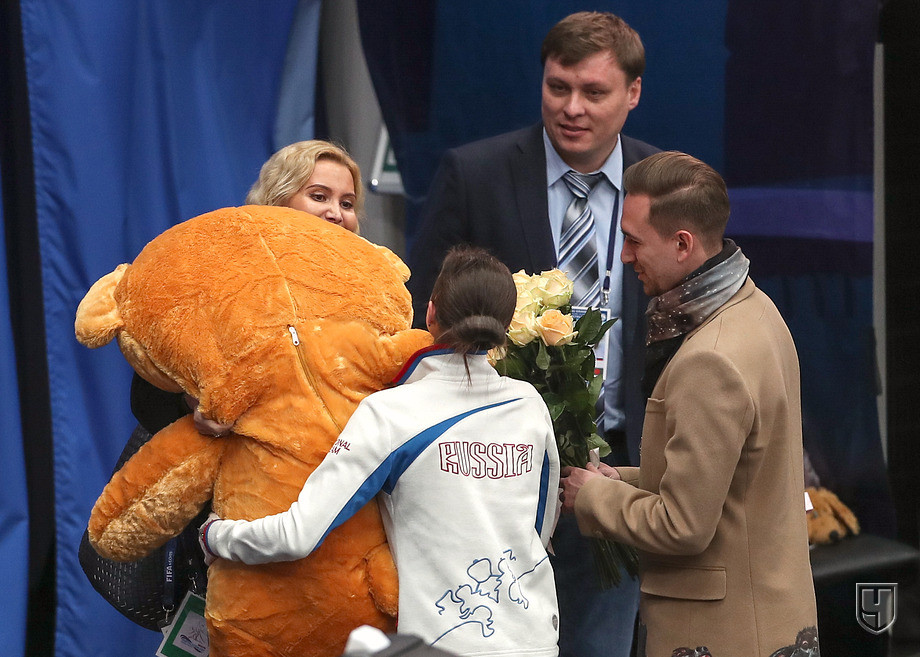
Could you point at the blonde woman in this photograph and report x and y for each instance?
(313, 176)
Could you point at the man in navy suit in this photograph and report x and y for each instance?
(507, 194)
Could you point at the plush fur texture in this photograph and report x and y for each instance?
(279, 323)
(830, 520)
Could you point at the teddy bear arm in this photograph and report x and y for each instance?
(370, 361)
(395, 350)
(156, 493)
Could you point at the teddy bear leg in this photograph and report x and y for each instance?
(301, 608)
(382, 579)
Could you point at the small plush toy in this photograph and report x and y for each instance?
(279, 323)
(830, 519)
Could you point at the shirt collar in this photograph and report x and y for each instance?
(556, 168)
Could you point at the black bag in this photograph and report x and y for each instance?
(148, 590)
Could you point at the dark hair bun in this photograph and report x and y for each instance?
(479, 331)
(474, 299)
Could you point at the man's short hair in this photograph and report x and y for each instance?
(586, 33)
(685, 194)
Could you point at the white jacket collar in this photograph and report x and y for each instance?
(443, 362)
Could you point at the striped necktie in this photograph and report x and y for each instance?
(577, 250)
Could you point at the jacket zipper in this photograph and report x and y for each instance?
(308, 374)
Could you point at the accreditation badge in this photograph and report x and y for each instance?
(187, 635)
(600, 351)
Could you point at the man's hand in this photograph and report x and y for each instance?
(608, 471)
(574, 478)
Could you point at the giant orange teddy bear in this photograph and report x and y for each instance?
(278, 323)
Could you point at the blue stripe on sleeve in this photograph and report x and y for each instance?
(544, 494)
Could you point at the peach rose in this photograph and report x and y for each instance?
(495, 354)
(555, 328)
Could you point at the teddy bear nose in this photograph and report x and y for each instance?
(834, 535)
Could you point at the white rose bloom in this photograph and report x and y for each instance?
(526, 303)
(553, 289)
(521, 280)
(522, 329)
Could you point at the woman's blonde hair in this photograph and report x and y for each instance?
(288, 170)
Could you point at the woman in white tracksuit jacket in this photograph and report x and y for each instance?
(466, 464)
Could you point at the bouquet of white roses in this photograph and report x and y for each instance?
(555, 354)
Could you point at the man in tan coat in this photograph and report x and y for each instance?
(716, 507)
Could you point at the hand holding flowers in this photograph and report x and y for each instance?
(555, 354)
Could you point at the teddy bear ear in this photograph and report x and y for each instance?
(843, 513)
(98, 318)
(395, 260)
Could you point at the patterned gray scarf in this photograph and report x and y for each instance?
(679, 311)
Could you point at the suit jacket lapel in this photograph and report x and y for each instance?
(529, 178)
(631, 153)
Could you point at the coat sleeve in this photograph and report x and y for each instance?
(348, 478)
(629, 474)
(701, 424)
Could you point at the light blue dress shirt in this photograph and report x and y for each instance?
(602, 201)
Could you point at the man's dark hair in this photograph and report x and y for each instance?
(685, 193)
(586, 33)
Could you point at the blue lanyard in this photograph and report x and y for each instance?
(611, 247)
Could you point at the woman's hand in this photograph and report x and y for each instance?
(205, 425)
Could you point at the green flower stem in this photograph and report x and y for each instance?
(564, 376)
(609, 557)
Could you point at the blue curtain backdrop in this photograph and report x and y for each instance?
(14, 521)
(143, 114)
(776, 95)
